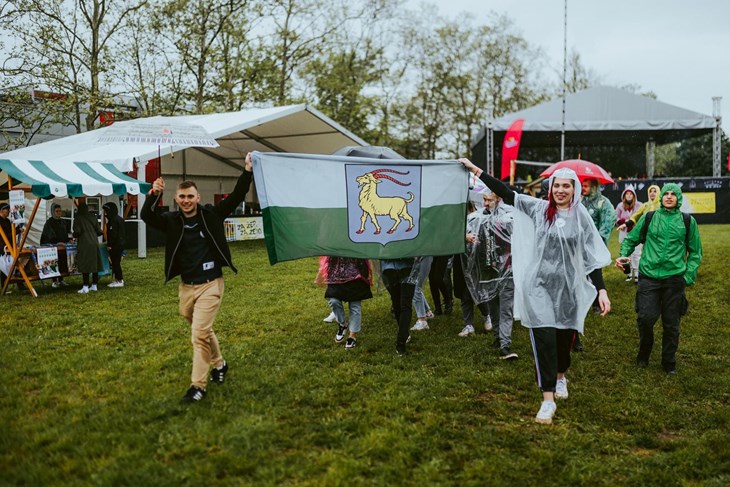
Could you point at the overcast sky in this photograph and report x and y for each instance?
(679, 49)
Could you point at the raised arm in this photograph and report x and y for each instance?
(497, 186)
(226, 206)
(149, 212)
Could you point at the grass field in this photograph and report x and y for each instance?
(91, 386)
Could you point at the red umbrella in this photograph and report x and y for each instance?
(584, 170)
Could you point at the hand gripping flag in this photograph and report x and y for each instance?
(359, 207)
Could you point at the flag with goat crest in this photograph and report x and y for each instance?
(341, 206)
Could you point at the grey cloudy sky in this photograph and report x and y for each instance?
(679, 49)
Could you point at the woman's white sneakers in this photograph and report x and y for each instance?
(546, 412)
(561, 389)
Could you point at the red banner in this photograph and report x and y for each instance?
(510, 147)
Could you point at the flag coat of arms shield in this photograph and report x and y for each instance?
(383, 202)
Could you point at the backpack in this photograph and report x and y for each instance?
(687, 220)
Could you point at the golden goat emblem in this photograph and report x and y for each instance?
(373, 205)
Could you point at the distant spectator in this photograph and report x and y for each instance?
(115, 241)
(625, 209)
(55, 231)
(88, 258)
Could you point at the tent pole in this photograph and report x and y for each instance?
(141, 227)
(565, 68)
(716, 137)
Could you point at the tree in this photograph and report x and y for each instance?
(694, 157)
(66, 46)
(194, 30)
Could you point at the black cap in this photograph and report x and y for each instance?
(4, 206)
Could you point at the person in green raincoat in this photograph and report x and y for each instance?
(669, 263)
(599, 207)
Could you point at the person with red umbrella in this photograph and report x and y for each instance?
(555, 245)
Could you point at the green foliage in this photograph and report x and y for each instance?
(694, 157)
(91, 386)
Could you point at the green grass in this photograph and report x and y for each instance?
(91, 386)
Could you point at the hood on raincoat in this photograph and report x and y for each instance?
(630, 190)
(567, 173)
(110, 208)
(658, 190)
(674, 187)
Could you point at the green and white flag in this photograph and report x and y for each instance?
(359, 207)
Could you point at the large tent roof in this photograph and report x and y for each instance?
(604, 116)
(78, 164)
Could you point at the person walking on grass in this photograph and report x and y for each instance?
(115, 241)
(423, 309)
(488, 268)
(88, 258)
(625, 209)
(439, 282)
(347, 279)
(196, 249)
(651, 204)
(555, 245)
(461, 290)
(669, 262)
(400, 277)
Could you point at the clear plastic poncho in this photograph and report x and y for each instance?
(550, 263)
(487, 262)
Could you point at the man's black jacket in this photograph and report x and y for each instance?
(171, 223)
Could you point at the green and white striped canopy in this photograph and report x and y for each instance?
(72, 179)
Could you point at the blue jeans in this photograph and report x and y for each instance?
(419, 299)
(355, 313)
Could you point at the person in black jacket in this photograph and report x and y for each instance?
(196, 250)
(7, 228)
(115, 240)
(55, 231)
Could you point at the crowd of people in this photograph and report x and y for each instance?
(536, 260)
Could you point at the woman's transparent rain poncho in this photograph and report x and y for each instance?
(551, 262)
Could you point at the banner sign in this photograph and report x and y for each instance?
(17, 206)
(706, 198)
(246, 228)
(47, 262)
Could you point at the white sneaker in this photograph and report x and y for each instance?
(93, 287)
(468, 330)
(84, 290)
(56, 284)
(116, 284)
(429, 314)
(546, 412)
(488, 323)
(420, 325)
(330, 318)
(561, 389)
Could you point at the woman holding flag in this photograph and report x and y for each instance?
(555, 245)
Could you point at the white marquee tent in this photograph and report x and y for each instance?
(79, 165)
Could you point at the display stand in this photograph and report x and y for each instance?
(16, 250)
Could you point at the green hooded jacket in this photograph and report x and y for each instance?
(664, 254)
(602, 212)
